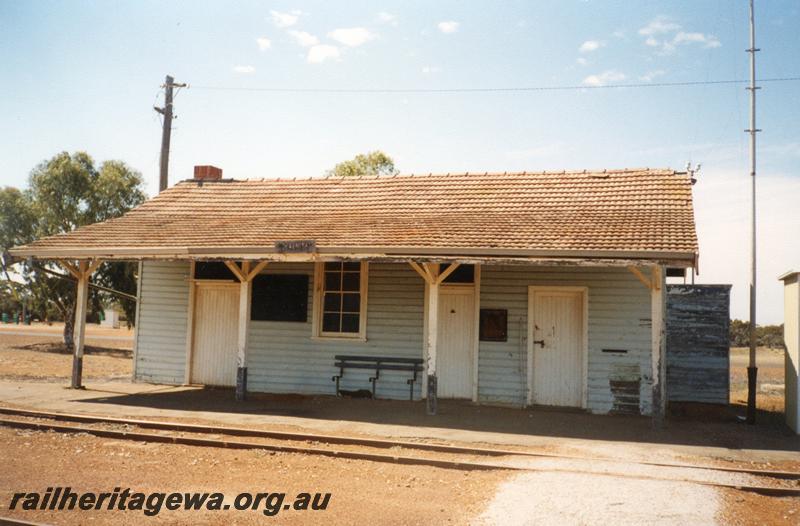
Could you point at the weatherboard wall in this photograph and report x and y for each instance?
(284, 357)
(698, 343)
(619, 321)
(163, 311)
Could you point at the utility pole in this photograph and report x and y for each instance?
(166, 130)
(752, 370)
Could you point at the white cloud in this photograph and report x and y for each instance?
(244, 69)
(604, 78)
(285, 19)
(618, 34)
(659, 26)
(582, 61)
(303, 38)
(687, 38)
(448, 26)
(667, 42)
(650, 75)
(351, 36)
(431, 69)
(387, 18)
(322, 52)
(263, 43)
(591, 45)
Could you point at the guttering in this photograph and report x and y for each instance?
(269, 253)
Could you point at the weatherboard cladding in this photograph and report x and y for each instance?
(163, 312)
(698, 343)
(619, 320)
(283, 357)
(624, 210)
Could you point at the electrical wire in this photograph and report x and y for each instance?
(490, 90)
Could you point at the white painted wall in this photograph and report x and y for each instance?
(161, 328)
(791, 335)
(284, 358)
(619, 318)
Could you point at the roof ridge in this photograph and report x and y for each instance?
(328, 177)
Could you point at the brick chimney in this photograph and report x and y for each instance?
(207, 173)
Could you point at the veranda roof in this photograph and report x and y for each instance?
(629, 214)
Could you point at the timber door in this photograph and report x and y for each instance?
(215, 342)
(557, 346)
(455, 340)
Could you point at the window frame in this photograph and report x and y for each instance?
(318, 304)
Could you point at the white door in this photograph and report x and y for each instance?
(216, 319)
(455, 339)
(557, 343)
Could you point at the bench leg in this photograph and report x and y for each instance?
(336, 379)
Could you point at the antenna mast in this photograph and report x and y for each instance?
(752, 370)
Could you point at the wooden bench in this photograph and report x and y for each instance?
(378, 364)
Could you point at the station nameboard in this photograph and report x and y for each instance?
(296, 246)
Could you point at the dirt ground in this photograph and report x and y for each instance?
(770, 378)
(362, 492)
(43, 358)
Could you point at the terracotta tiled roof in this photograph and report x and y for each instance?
(641, 210)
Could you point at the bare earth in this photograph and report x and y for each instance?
(362, 492)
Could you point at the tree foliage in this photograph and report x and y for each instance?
(64, 193)
(371, 163)
(766, 335)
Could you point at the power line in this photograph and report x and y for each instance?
(491, 90)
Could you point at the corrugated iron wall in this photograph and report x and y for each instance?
(698, 362)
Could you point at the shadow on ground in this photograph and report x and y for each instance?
(60, 348)
(723, 430)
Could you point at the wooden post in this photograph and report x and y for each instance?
(245, 276)
(658, 307)
(80, 325)
(432, 336)
(245, 289)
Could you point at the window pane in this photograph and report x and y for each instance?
(352, 265)
(212, 270)
(333, 281)
(330, 322)
(350, 322)
(351, 281)
(333, 302)
(352, 303)
(462, 273)
(333, 266)
(279, 297)
(493, 325)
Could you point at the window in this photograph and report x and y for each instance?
(493, 325)
(341, 299)
(279, 297)
(213, 270)
(462, 273)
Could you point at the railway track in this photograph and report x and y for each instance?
(765, 482)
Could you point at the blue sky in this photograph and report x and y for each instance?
(85, 75)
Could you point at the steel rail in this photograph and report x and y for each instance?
(374, 457)
(371, 442)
